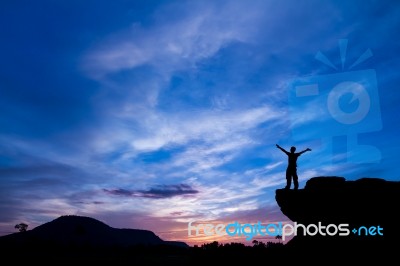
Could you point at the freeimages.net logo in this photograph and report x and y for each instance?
(344, 103)
(249, 231)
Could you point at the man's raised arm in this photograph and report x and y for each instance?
(282, 149)
(308, 149)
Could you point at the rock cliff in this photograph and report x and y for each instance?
(365, 205)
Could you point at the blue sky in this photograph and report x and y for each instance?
(150, 114)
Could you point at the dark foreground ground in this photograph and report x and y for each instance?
(144, 255)
(234, 254)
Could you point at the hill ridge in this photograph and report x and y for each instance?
(86, 231)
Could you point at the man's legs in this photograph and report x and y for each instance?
(295, 180)
(288, 178)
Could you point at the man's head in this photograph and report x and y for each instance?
(292, 149)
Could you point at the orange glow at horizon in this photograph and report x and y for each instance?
(181, 234)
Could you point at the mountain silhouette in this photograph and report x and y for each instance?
(366, 202)
(78, 231)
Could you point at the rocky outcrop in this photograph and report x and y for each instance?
(365, 205)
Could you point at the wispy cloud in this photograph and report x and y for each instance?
(197, 32)
(158, 192)
(208, 126)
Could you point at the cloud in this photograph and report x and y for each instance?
(162, 129)
(192, 32)
(119, 192)
(50, 169)
(176, 213)
(158, 192)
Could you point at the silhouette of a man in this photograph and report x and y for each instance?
(291, 170)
